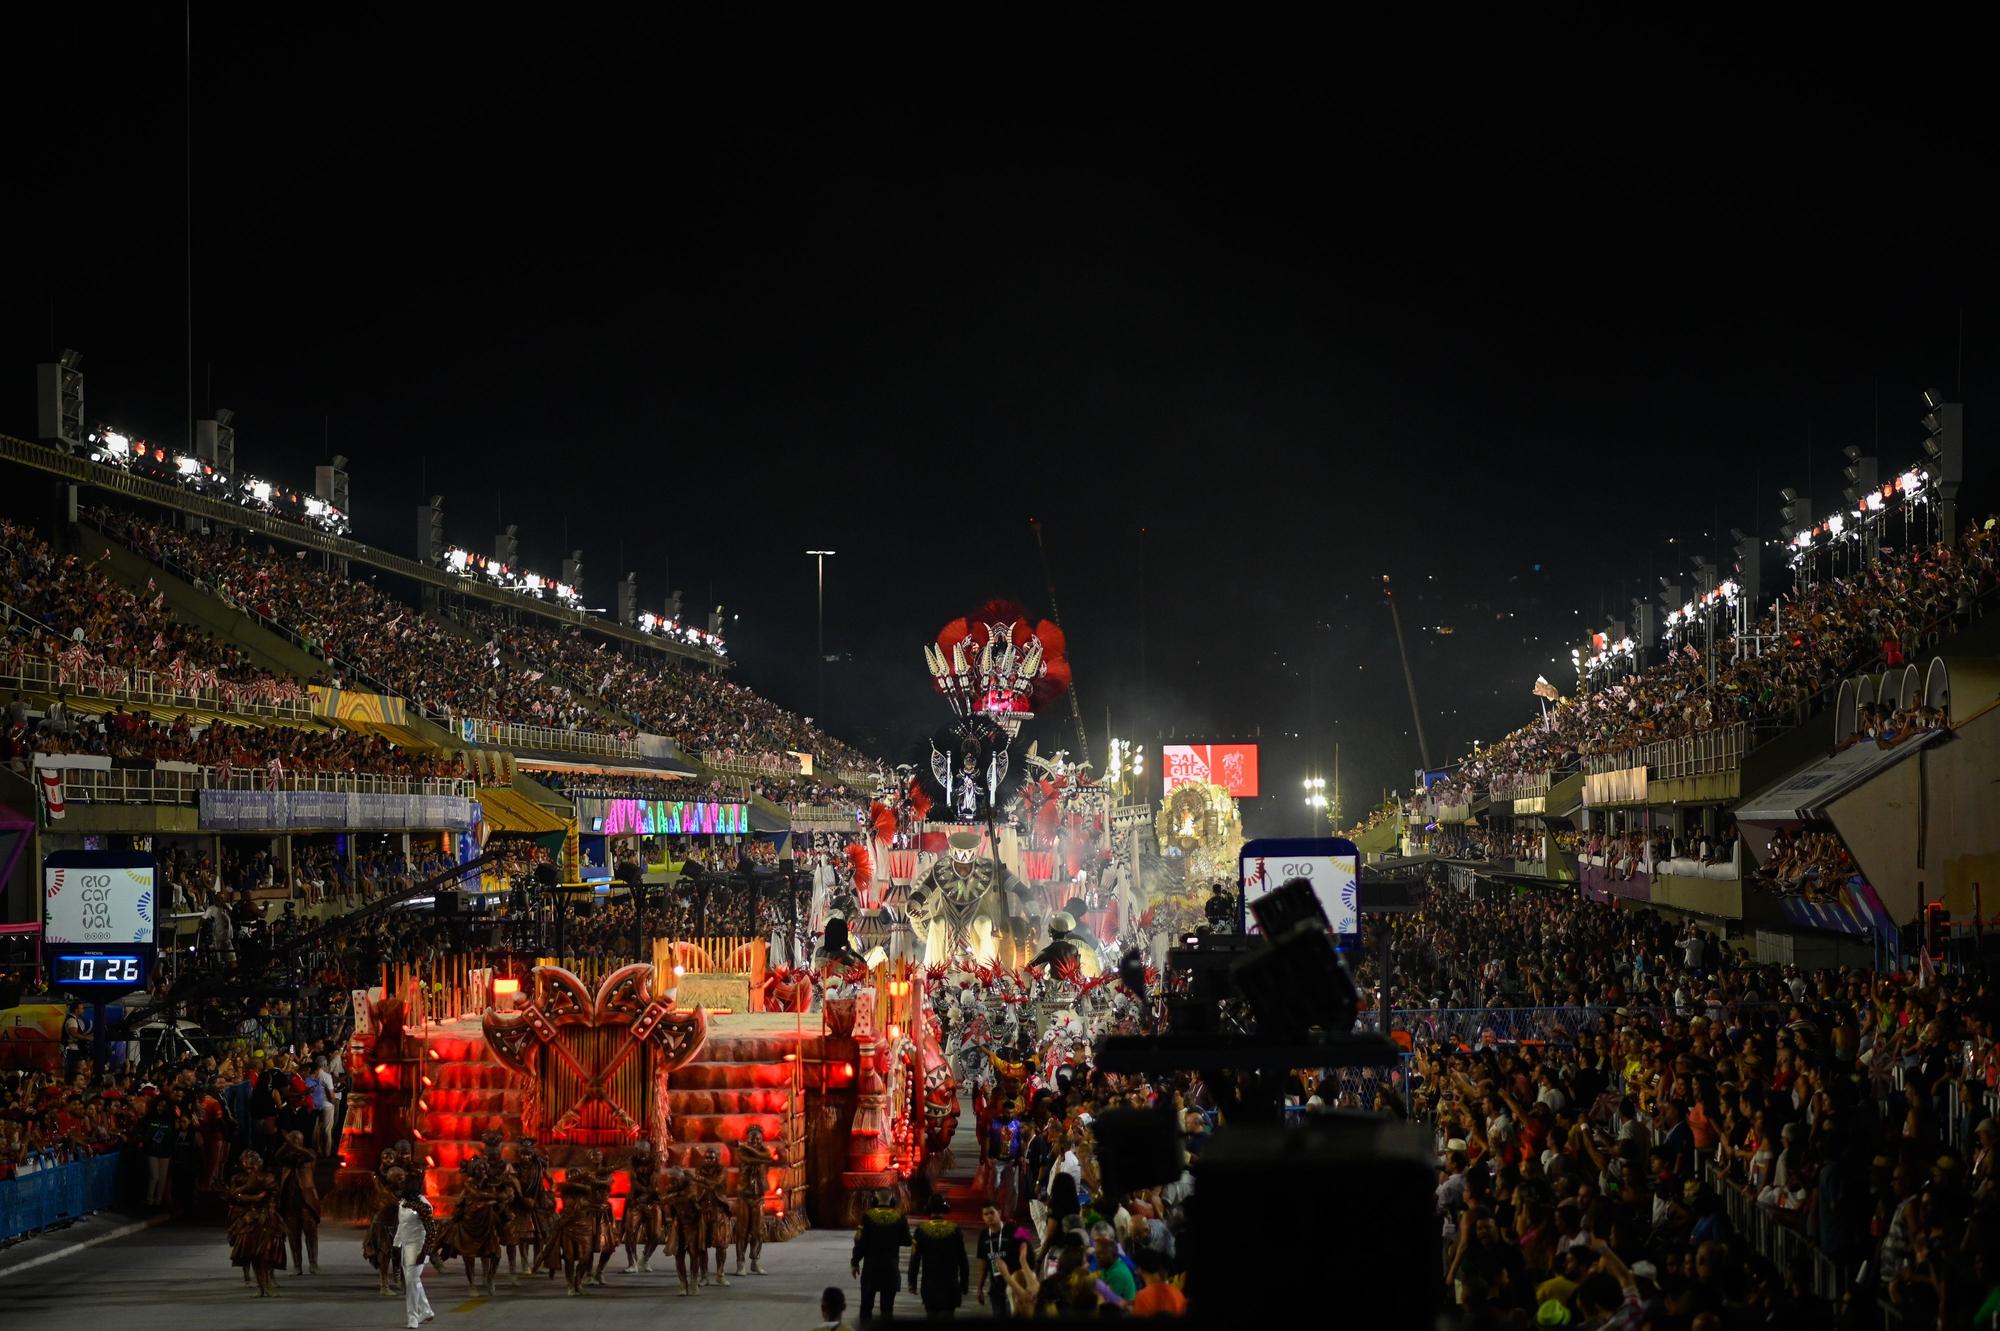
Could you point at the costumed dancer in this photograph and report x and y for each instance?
(378, 1247)
(417, 1167)
(1005, 1145)
(836, 951)
(604, 1238)
(754, 1162)
(298, 1200)
(575, 1229)
(645, 1224)
(477, 1222)
(533, 1208)
(413, 1242)
(879, 1241)
(256, 1234)
(939, 1273)
(684, 1216)
(717, 1215)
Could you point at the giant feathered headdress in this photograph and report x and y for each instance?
(993, 661)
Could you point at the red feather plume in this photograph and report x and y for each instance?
(863, 865)
(920, 800)
(1054, 682)
(1048, 818)
(1055, 644)
(883, 819)
(1001, 611)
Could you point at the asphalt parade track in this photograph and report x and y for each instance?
(178, 1278)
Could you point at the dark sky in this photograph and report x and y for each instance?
(1496, 312)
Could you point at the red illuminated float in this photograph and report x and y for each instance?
(596, 1065)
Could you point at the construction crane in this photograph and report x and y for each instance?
(1048, 581)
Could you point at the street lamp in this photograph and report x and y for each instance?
(819, 660)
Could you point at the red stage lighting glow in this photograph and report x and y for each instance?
(506, 987)
(381, 1069)
(427, 1081)
(791, 1058)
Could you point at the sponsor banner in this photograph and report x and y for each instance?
(282, 810)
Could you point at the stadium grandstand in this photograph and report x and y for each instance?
(202, 662)
(1745, 762)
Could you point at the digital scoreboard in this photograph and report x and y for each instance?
(97, 921)
(100, 970)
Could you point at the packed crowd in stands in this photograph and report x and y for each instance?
(606, 786)
(1815, 865)
(1886, 727)
(1869, 619)
(1668, 1082)
(354, 626)
(567, 680)
(100, 631)
(278, 751)
(707, 714)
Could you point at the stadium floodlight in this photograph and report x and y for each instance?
(1932, 399)
(1931, 449)
(1788, 494)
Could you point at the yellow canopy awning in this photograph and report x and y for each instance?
(507, 811)
(401, 736)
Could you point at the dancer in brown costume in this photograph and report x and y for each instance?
(298, 1200)
(378, 1247)
(645, 1224)
(754, 1162)
(575, 1228)
(604, 1234)
(717, 1215)
(531, 1210)
(684, 1216)
(256, 1234)
(478, 1218)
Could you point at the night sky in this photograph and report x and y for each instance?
(1246, 319)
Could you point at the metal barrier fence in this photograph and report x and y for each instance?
(144, 687)
(1710, 752)
(51, 1194)
(1778, 1236)
(762, 764)
(181, 785)
(1526, 785)
(512, 735)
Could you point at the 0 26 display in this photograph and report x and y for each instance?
(127, 970)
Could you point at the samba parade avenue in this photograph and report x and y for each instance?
(776, 669)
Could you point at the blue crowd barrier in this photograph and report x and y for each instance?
(54, 1193)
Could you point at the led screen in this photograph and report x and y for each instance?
(674, 818)
(1231, 766)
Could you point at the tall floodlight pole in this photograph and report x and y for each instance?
(819, 657)
(1409, 680)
